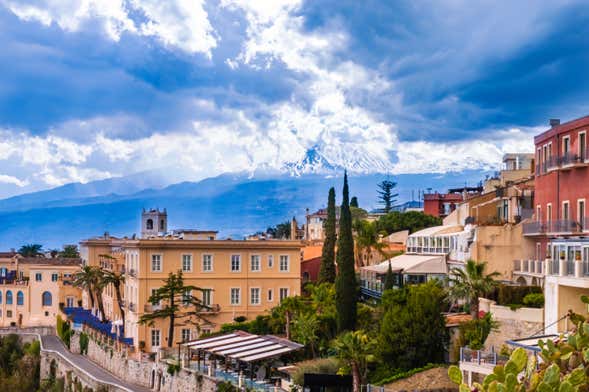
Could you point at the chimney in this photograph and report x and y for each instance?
(554, 122)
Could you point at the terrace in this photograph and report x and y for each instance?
(555, 227)
(240, 358)
(85, 318)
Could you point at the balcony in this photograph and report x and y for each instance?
(554, 227)
(566, 161)
(528, 267)
(214, 308)
(132, 272)
(132, 307)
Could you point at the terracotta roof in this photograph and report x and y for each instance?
(50, 261)
(454, 319)
(6, 255)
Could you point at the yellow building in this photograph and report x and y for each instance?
(243, 277)
(33, 288)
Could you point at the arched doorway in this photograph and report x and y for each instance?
(521, 281)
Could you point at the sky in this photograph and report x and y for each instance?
(93, 89)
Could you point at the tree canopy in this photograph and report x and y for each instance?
(411, 220)
(386, 195)
(327, 269)
(70, 252)
(31, 250)
(281, 230)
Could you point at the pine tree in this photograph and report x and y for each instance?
(389, 280)
(386, 196)
(178, 304)
(327, 271)
(345, 282)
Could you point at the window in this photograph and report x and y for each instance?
(581, 213)
(69, 302)
(235, 296)
(565, 210)
(156, 263)
(255, 262)
(283, 263)
(582, 146)
(162, 225)
(9, 313)
(538, 213)
(154, 302)
(255, 296)
(235, 263)
(205, 331)
(185, 334)
(38, 277)
(149, 224)
(186, 263)
(46, 298)
(207, 297)
(207, 263)
(155, 338)
(283, 293)
(54, 277)
(270, 261)
(270, 295)
(186, 297)
(20, 298)
(548, 212)
(566, 145)
(9, 297)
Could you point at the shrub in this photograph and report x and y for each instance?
(316, 366)
(474, 333)
(408, 373)
(514, 295)
(534, 300)
(84, 343)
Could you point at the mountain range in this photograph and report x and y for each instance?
(236, 204)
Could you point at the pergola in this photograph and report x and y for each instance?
(239, 347)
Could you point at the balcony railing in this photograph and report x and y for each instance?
(533, 267)
(214, 308)
(132, 307)
(561, 226)
(565, 161)
(481, 357)
(152, 307)
(132, 272)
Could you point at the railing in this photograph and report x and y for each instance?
(570, 267)
(568, 159)
(132, 307)
(481, 357)
(554, 267)
(561, 226)
(534, 267)
(132, 273)
(214, 308)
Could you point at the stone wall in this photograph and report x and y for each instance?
(34, 331)
(146, 373)
(514, 324)
(71, 375)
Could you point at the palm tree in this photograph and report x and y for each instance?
(322, 297)
(84, 279)
(30, 250)
(367, 241)
(99, 284)
(471, 283)
(305, 328)
(355, 350)
(116, 279)
(284, 313)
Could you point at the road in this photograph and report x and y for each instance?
(54, 343)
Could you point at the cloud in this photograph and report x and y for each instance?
(12, 180)
(182, 24)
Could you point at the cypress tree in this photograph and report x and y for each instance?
(389, 280)
(345, 282)
(327, 271)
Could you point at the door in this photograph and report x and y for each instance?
(582, 146)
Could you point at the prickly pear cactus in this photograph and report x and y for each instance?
(564, 366)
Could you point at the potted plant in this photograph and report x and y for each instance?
(578, 255)
(562, 255)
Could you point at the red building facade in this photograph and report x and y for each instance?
(561, 182)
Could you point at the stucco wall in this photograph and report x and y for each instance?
(514, 324)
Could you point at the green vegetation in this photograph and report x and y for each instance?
(20, 366)
(327, 270)
(178, 303)
(389, 280)
(31, 250)
(85, 279)
(402, 345)
(563, 367)
(534, 300)
(281, 230)
(406, 374)
(411, 220)
(386, 197)
(367, 241)
(116, 279)
(474, 333)
(345, 282)
(471, 283)
(64, 331)
(318, 366)
(354, 202)
(69, 252)
(84, 340)
(355, 350)
(514, 295)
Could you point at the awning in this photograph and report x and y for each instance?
(411, 264)
(244, 346)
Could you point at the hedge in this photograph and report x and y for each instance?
(514, 295)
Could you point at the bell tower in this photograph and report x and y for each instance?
(153, 222)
